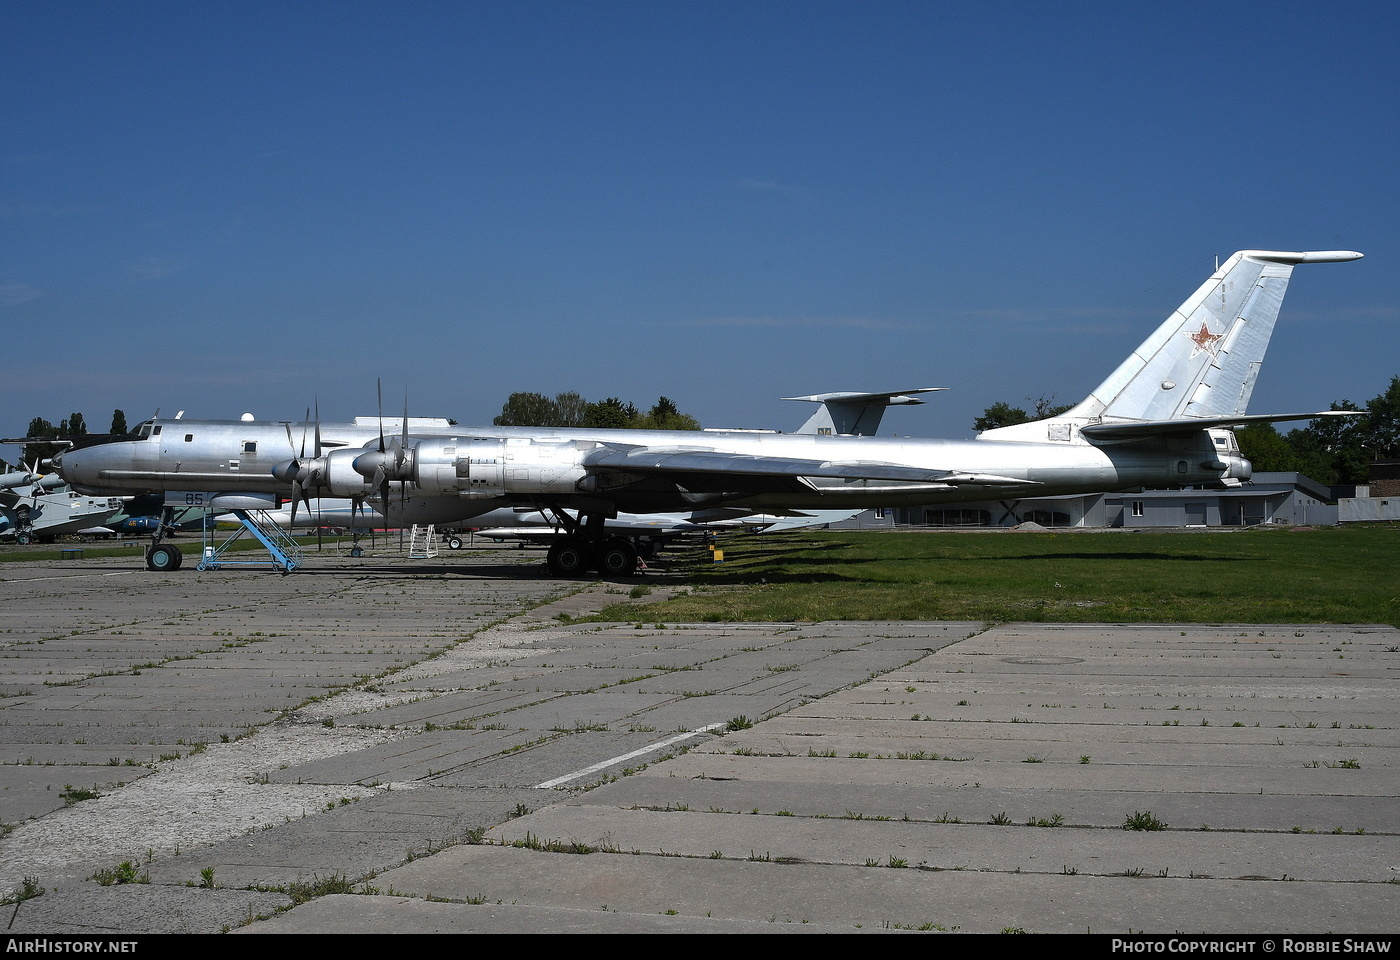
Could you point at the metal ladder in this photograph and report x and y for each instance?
(284, 553)
(422, 542)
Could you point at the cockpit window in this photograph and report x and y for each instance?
(145, 432)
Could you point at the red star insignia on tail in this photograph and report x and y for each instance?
(1205, 340)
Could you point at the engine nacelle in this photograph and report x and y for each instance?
(486, 468)
(340, 476)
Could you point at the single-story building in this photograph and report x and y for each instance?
(1289, 498)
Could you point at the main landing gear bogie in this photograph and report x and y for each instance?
(618, 558)
(574, 556)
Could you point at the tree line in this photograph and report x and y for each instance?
(72, 426)
(1337, 450)
(571, 410)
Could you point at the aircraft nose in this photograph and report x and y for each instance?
(69, 464)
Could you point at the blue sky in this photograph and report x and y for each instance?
(229, 207)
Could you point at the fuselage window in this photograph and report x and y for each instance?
(250, 446)
(189, 438)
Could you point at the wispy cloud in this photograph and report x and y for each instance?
(13, 293)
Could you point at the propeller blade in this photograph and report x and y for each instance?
(379, 390)
(296, 498)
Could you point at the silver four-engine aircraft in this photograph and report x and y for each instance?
(1161, 419)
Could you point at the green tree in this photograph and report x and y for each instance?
(1382, 426)
(611, 413)
(39, 428)
(1046, 407)
(118, 422)
(74, 426)
(1333, 449)
(569, 409)
(526, 410)
(1000, 414)
(1266, 449)
(664, 415)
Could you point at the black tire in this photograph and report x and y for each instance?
(164, 558)
(454, 543)
(617, 559)
(569, 557)
(357, 551)
(24, 539)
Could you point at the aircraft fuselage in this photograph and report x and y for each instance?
(459, 474)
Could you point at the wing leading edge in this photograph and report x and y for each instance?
(650, 461)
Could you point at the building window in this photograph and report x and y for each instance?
(1137, 508)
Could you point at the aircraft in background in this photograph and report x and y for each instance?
(647, 531)
(1160, 419)
(855, 414)
(41, 507)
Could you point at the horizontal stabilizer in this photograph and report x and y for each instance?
(1145, 429)
(892, 397)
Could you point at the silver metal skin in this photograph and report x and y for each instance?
(1159, 420)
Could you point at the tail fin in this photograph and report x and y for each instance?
(1202, 362)
(856, 414)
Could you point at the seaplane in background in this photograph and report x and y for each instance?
(40, 507)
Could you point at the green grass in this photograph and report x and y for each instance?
(1328, 575)
(190, 546)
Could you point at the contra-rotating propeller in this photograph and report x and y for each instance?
(302, 473)
(392, 461)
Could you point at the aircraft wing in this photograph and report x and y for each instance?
(652, 461)
(1145, 429)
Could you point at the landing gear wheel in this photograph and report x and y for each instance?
(568, 557)
(454, 542)
(24, 539)
(617, 559)
(357, 551)
(164, 557)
